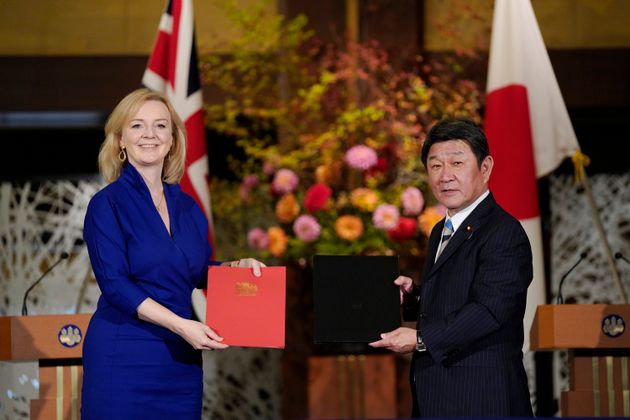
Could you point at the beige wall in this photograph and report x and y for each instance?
(584, 23)
(128, 27)
(563, 23)
(100, 27)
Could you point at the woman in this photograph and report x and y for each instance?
(148, 247)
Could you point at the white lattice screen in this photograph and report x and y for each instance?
(573, 232)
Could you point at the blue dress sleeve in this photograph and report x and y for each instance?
(203, 284)
(108, 255)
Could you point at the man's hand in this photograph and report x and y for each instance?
(255, 265)
(401, 340)
(405, 284)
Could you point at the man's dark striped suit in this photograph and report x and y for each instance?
(470, 316)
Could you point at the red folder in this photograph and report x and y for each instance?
(247, 311)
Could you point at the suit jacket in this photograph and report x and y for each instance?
(470, 316)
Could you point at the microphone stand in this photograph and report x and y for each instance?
(559, 298)
(620, 256)
(63, 256)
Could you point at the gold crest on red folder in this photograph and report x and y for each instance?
(246, 288)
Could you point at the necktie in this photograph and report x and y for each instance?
(447, 232)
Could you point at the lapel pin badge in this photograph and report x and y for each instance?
(469, 229)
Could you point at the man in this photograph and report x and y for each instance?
(467, 358)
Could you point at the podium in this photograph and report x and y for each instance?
(56, 342)
(598, 341)
(353, 386)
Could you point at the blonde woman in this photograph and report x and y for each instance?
(148, 245)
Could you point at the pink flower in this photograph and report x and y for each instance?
(251, 181)
(386, 216)
(412, 201)
(306, 228)
(257, 239)
(361, 157)
(243, 192)
(284, 181)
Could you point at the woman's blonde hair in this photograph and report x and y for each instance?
(110, 165)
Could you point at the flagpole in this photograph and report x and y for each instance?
(602, 236)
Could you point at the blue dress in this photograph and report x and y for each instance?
(134, 369)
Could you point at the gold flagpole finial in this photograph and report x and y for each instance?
(580, 161)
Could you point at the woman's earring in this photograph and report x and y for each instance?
(122, 156)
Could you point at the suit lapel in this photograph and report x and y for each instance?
(432, 247)
(464, 233)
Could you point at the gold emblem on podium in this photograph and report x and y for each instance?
(69, 335)
(613, 326)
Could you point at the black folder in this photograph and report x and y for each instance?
(354, 298)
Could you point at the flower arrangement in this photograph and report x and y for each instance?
(329, 138)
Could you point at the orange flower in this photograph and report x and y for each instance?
(430, 217)
(328, 174)
(287, 208)
(364, 199)
(322, 174)
(277, 241)
(349, 227)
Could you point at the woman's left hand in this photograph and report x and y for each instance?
(252, 263)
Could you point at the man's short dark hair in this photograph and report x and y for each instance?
(457, 129)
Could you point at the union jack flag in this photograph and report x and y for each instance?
(172, 70)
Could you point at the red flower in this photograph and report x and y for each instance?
(382, 165)
(406, 229)
(386, 159)
(317, 197)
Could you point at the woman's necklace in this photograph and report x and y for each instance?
(157, 206)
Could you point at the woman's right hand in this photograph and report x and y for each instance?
(406, 286)
(200, 336)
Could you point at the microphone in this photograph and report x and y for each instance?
(63, 256)
(559, 299)
(620, 256)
